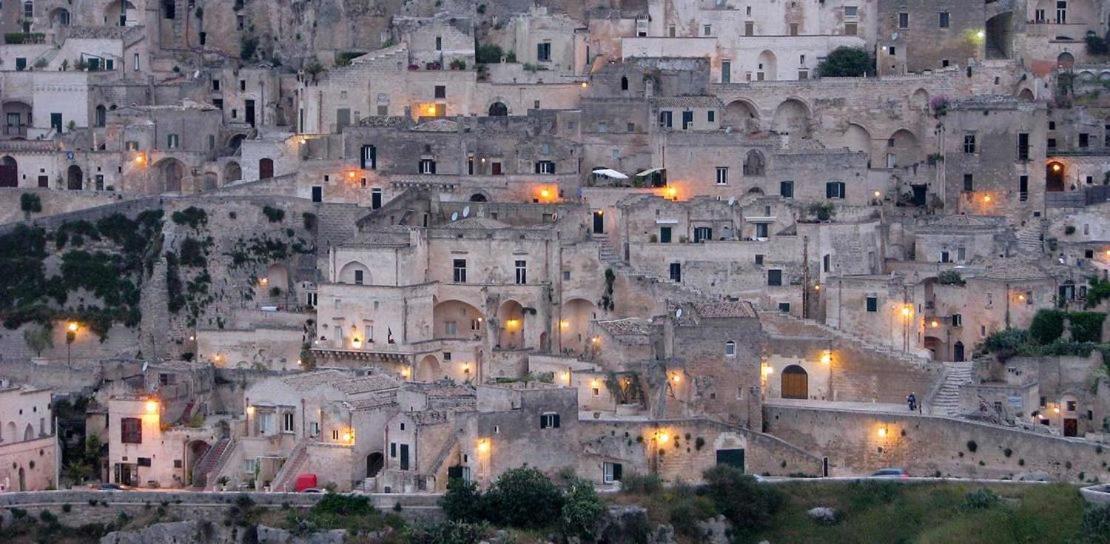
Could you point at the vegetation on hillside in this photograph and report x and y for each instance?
(1045, 336)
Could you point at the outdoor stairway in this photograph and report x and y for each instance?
(207, 462)
(946, 402)
(606, 253)
(861, 342)
(226, 449)
(286, 477)
(1030, 237)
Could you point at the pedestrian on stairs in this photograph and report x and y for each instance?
(911, 400)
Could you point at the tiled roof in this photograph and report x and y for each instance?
(739, 308)
(312, 380)
(365, 384)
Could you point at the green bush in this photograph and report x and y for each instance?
(1047, 326)
(847, 62)
(462, 501)
(641, 484)
(488, 53)
(273, 214)
(447, 532)
(192, 216)
(192, 253)
(950, 277)
(743, 501)
(1006, 343)
(980, 499)
(30, 203)
(581, 512)
(1096, 525)
(524, 497)
(1086, 326)
(687, 510)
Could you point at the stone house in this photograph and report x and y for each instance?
(30, 456)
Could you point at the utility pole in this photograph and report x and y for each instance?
(805, 277)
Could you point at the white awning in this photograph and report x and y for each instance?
(609, 173)
(649, 172)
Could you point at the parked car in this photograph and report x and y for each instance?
(312, 490)
(109, 487)
(890, 473)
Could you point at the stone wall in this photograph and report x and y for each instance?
(858, 442)
(53, 202)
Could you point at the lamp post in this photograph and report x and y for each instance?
(71, 335)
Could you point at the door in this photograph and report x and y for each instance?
(599, 222)
(664, 235)
(56, 121)
(958, 352)
(13, 123)
(732, 458)
(317, 194)
(375, 199)
(1071, 427)
(404, 456)
(676, 272)
(250, 112)
(9, 172)
(374, 463)
(795, 383)
(342, 118)
(919, 193)
(265, 168)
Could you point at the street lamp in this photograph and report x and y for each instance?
(71, 335)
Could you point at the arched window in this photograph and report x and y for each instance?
(624, 83)
(730, 349)
(101, 115)
(754, 164)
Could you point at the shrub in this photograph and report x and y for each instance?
(447, 532)
(1086, 326)
(488, 53)
(645, 484)
(847, 62)
(1096, 525)
(687, 510)
(1097, 45)
(737, 496)
(1006, 343)
(462, 501)
(248, 45)
(1047, 326)
(980, 499)
(950, 277)
(972, 446)
(581, 512)
(273, 214)
(30, 203)
(192, 216)
(524, 497)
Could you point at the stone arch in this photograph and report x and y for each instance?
(374, 463)
(1026, 95)
(349, 273)
(791, 117)
(170, 172)
(428, 369)
(903, 149)
(1055, 175)
(767, 66)
(75, 178)
(755, 164)
(479, 197)
(857, 138)
(511, 317)
(11, 432)
(1065, 60)
(101, 115)
(574, 325)
(9, 172)
(277, 276)
(194, 451)
(794, 383)
(119, 13)
(59, 17)
(999, 39)
(457, 319)
(211, 181)
(232, 172)
(235, 142)
(265, 168)
(28, 432)
(498, 109)
(741, 115)
(919, 100)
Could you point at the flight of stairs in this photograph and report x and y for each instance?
(1031, 236)
(285, 478)
(208, 462)
(946, 402)
(606, 252)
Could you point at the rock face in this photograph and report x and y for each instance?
(629, 524)
(715, 530)
(180, 532)
(823, 514)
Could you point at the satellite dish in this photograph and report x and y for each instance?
(454, 216)
(466, 211)
(678, 313)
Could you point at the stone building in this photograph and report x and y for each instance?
(30, 456)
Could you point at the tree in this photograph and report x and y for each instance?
(847, 62)
(30, 203)
(582, 510)
(746, 503)
(463, 501)
(524, 497)
(38, 338)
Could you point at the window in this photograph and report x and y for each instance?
(903, 20)
(20, 64)
(427, 166)
(774, 278)
(439, 43)
(28, 10)
(759, 260)
(969, 143)
(851, 29)
(784, 307)
(711, 116)
(440, 91)
(730, 349)
(287, 422)
(969, 182)
(707, 30)
(135, 62)
(957, 320)
(664, 235)
(1084, 140)
(1023, 147)
(665, 119)
(172, 141)
(624, 83)
(545, 167)
(521, 272)
(702, 234)
(451, 328)
(834, 189)
(851, 11)
(543, 52)
(786, 189)
(368, 159)
(392, 450)
(1070, 405)
(761, 230)
(358, 277)
(722, 175)
(131, 430)
(944, 20)
(749, 28)
(459, 266)
(687, 119)
(726, 76)
(317, 193)
(549, 420)
(872, 303)
(611, 472)
(1051, 143)
(675, 272)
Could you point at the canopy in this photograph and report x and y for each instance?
(609, 173)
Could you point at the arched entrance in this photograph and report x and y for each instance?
(170, 173)
(59, 17)
(741, 115)
(374, 464)
(498, 109)
(1054, 177)
(857, 138)
(265, 168)
(791, 117)
(574, 325)
(195, 450)
(28, 433)
(903, 149)
(795, 383)
(1026, 95)
(9, 172)
(456, 319)
(355, 273)
(428, 369)
(755, 164)
(22, 479)
(958, 352)
(767, 67)
(116, 13)
(511, 317)
(998, 36)
(74, 178)
(10, 432)
(232, 172)
(478, 197)
(1065, 61)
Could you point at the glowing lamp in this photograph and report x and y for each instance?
(1021, 297)
(1056, 167)
(566, 376)
(544, 193)
(264, 281)
(987, 199)
(1108, 252)
(351, 175)
(483, 445)
(934, 324)
(907, 310)
(1056, 410)
(356, 342)
(584, 84)
(431, 109)
(72, 326)
(882, 432)
(878, 194)
(671, 192)
(564, 324)
(139, 159)
(152, 407)
(405, 372)
(348, 437)
(676, 378)
(596, 340)
(768, 370)
(826, 357)
(664, 438)
(250, 410)
(981, 34)
(817, 287)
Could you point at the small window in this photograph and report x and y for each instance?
(786, 189)
(944, 20)
(441, 91)
(543, 52)
(903, 20)
(521, 272)
(835, 189)
(969, 143)
(358, 277)
(759, 260)
(957, 320)
(287, 422)
(722, 175)
(969, 182)
(459, 269)
(784, 307)
(872, 304)
(427, 166)
(131, 430)
(730, 349)
(549, 420)
(707, 30)
(172, 141)
(612, 472)
(774, 278)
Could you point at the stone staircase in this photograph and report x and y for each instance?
(207, 462)
(286, 477)
(607, 253)
(1031, 236)
(221, 457)
(885, 351)
(946, 400)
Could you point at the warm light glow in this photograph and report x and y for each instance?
(1021, 297)
(817, 287)
(250, 410)
(299, 362)
(512, 324)
(72, 327)
(671, 192)
(1056, 410)
(405, 372)
(1108, 252)
(878, 194)
(264, 281)
(564, 324)
(584, 84)
(348, 437)
(483, 445)
(544, 193)
(356, 342)
(987, 199)
(595, 383)
(351, 175)
(907, 310)
(664, 438)
(566, 376)
(596, 340)
(981, 34)
(303, 141)
(139, 159)
(768, 370)
(934, 324)
(1056, 167)
(431, 109)
(882, 432)
(152, 407)
(826, 357)
(676, 378)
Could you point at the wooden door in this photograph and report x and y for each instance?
(795, 383)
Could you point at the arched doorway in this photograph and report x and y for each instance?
(1065, 61)
(28, 433)
(10, 432)
(235, 142)
(265, 168)
(195, 450)
(767, 67)
(232, 172)
(755, 164)
(903, 149)
(1054, 177)
(741, 115)
(795, 383)
(498, 109)
(791, 117)
(59, 17)
(374, 464)
(1026, 95)
(920, 100)
(9, 172)
(857, 138)
(456, 319)
(511, 317)
(355, 273)
(170, 173)
(998, 36)
(958, 352)
(116, 13)
(574, 325)
(478, 197)
(74, 178)
(428, 369)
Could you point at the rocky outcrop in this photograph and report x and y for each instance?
(215, 533)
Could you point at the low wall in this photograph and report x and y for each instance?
(860, 442)
(53, 202)
(89, 506)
